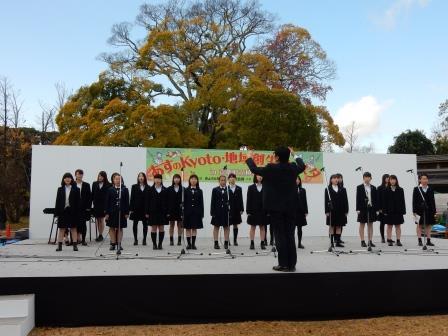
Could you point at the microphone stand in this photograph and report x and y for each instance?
(331, 249)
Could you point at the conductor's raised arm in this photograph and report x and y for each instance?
(253, 167)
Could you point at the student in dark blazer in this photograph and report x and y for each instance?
(86, 206)
(157, 211)
(219, 211)
(394, 208)
(381, 190)
(68, 209)
(236, 206)
(279, 193)
(174, 195)
(256, 215)
(117, 211)
(194, 211)
(99, 192)
(301, 211)
(367, 208)
(424, 206)
(137, 213)
(336, 209)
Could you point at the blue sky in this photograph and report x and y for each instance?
(391, 55)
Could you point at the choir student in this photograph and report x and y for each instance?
(336, 209)
(137, 213)
(256, 215)
(301, 211)
(366, 208)
(68, 209)
(157, 211)
(236, 206)
(219, 211)
(341, 184)
(424, 207)
(117, 210)
(394, 208)
(381, 190)
(99, 193)
(174, 195)
(194, 211)
(86, 205)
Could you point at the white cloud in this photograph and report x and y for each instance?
(388, 19)
(365, 112)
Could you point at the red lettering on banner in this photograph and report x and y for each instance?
(231, 157)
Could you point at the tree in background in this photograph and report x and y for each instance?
(267, 118)
(412, 142)
(204, 55)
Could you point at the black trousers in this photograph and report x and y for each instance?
(284, 232)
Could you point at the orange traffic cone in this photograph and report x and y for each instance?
(8, 231)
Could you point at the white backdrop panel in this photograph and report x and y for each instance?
(49, 163)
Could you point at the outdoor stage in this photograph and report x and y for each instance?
(146, 286)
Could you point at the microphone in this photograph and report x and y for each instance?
(410, 171)
(225, 167)
(358, 169)
(322, 169)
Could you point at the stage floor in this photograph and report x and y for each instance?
(31, 258)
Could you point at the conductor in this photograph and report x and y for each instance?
(279, 192)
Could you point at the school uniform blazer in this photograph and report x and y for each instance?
(361, 198)
(99, 198)
(279, 184)
(111, 201)
(418, 206)
(137, 203)
(218, 200)
(194, 203)
(86, 201)
(394, 202)
(74, 200)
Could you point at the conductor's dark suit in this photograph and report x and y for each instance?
(279, 197)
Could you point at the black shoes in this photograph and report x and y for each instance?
(399, 243)
(154, 246)
(193, 246)
(252, 245)
(371, 244)
(135, 242)
(339, 244)
(279, 268)
(75, 247)
(100, 238)
(179, 241)
(144, 242)
(235, 243)
(159, 247)
(429, 243)
(263, 245)
(300, 246)
(420, 243)
(59, 248)
(363, 243)
(383, 240)
(226, 245)
(112, 247)
(171, 241)
(216, 247)
(189, 247)
(390, 242)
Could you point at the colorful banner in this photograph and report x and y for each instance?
(209, 164)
